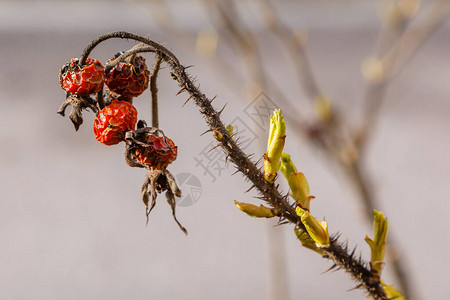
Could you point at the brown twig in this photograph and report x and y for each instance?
(154, 91)
(296, 49)
(246, 44)
(396, 58)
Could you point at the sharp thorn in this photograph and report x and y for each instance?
(353, 252)
(180, 91)
(213, 148)
(355, 288)
(329, 269)
(209, 130)
(252, 187)
(220, 111)
(186, 101)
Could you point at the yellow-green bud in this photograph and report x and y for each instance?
(256, 211)
(275, 145)
(306, 240)
(217, 135)
(318, 231)
(229, 128)
(297, 182)
(378, 244)
(322, 106)
(392, 293)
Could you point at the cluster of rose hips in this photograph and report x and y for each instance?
(109, 92)
(124, 81)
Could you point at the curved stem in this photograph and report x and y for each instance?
(100, 99)
(125, 35)
(125, 55)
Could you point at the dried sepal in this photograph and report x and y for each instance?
(158, 181)
(77, 103)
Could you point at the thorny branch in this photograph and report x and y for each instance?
(338, 253)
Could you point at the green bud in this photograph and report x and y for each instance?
(392, 293)
(217, 135)
(378, 244)
(297, 182)
(229, 128)
(318, 231)
(256, 211)
(275, 145)
(306, 240)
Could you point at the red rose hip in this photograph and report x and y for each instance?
(114, 121)
(128, 79)
(160, 152)
(82, 80)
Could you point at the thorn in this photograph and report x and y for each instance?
(353, 252)
(180, 91)
(190, 66)
(281, 223)
(209, 130)
(213, 98)
(214, 148)
(220, 111)
(186, 101)
(252, 187)
(329, 269)
(356, 287)
(259, 160)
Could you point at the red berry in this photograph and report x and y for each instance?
(82, 80)
(114, 121)
(161, 151)
(129, 79)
